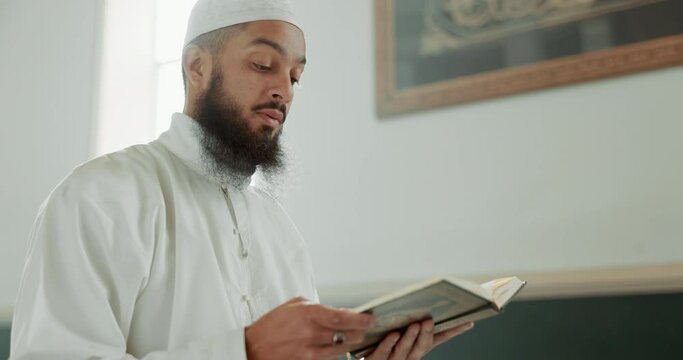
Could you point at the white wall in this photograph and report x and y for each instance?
(575, 177)
(47, 67)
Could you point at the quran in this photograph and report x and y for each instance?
(450, 302)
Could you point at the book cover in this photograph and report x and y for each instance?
(448, 301)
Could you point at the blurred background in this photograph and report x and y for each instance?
(576, 188)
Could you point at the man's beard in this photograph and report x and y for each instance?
(231, 151)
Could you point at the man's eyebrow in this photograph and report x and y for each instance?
(277, 47)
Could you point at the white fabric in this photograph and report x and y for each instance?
(209, 15)
(133, 256)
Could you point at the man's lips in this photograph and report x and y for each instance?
(272, 114)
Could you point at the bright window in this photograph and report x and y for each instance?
(140, 74)
(171, 24)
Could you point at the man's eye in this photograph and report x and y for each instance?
(295, 81)
(260, 67)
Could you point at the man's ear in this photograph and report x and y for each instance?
(197, 64)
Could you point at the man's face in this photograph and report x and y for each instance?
(249, 95)
(260, 67)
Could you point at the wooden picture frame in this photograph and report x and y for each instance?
(408, 80)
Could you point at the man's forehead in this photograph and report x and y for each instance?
(284, 38)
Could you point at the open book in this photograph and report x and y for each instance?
(449, 301)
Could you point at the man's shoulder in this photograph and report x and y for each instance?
(133, 170)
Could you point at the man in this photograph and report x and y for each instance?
(165, 250)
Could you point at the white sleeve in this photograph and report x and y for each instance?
(85, 267)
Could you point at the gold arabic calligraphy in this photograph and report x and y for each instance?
(478, 13)
(451, 24)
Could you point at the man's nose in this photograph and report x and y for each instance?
(282, 89)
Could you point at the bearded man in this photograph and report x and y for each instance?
(165, 250)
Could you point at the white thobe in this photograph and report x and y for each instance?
(135, 256)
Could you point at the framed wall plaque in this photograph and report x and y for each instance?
(433, 53)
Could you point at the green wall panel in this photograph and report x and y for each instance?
(4, 341)
(624, 328)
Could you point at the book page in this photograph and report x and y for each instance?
(502, 290)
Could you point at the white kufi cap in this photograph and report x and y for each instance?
(210, 15)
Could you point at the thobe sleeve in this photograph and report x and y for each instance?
(88, 260)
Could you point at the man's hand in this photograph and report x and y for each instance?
(416, 342)
(299, 329)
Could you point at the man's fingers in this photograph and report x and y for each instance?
(296, 300)
(324, 352)
(383, 350)
(331, 352)
(339, 319)
(444, 336)
(405, 344)
(425, 341)
(323, 336)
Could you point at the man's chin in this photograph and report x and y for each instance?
(269, 133)
(275, 134)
